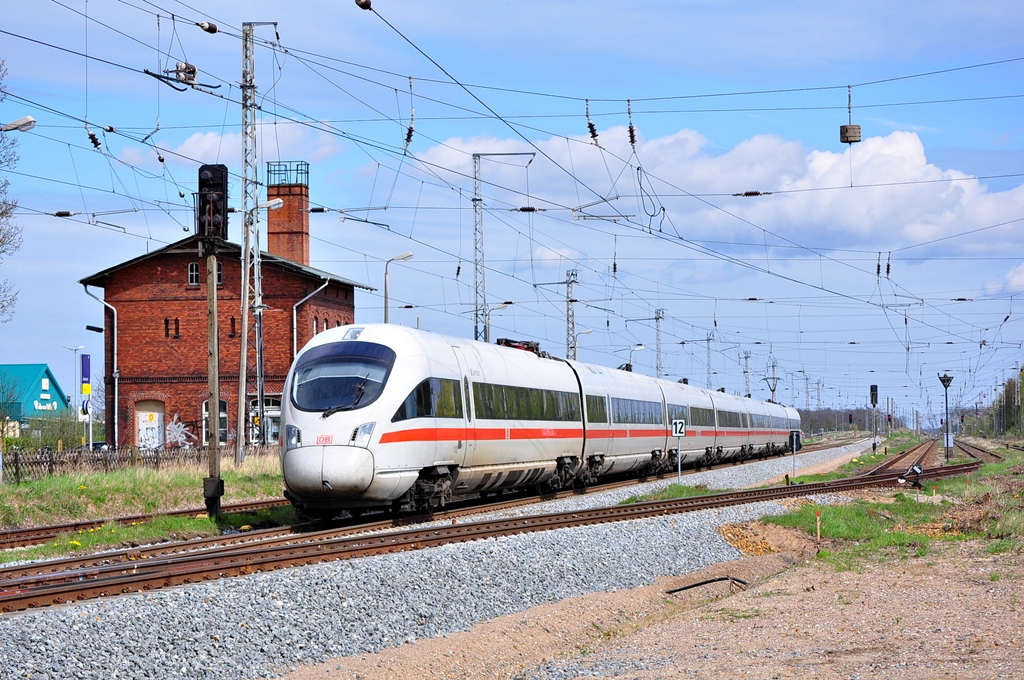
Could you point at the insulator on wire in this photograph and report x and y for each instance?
(207, 26)
(94, 139)
(458, 270)
(888, 265)
(363, 4)
(63, 213)
(108, 128)
(878, 267)
(318, 209)
(412, 118)
(590, 124)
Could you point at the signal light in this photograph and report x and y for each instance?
(213, 202)
(890, 417)
(851, 419)
(961, 420)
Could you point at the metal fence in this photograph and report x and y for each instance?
(25, 465)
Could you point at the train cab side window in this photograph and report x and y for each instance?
(597, 408)
(432, 398)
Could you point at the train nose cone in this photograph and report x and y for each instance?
(328, 471)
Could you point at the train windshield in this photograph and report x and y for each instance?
(341, 376)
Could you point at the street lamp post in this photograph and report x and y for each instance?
(213, 367)
(946, 379)
(74, 374)
(487, 318)
(637, 348)
(397, 258)
(576, 341)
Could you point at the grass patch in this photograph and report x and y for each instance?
(672, 491)
(68, 498)
(868, 531)
(987, 505)
(114, 536)
(728, 614)
(1003, 545)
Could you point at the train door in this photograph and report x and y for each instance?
(469, 441)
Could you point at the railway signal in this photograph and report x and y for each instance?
(213, 202)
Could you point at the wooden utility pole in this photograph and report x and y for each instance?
(213, 486)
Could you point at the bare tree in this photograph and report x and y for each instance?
(10, 233)
(9, 412)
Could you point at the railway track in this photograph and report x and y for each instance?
(15, 538)
(18, 592)
(978, 453)
(916, 455)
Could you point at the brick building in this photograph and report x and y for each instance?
(155, 310)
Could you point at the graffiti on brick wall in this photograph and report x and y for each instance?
(149, 427)
(180, 434)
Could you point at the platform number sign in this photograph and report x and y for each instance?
(679, 431)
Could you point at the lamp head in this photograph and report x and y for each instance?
(23, 124)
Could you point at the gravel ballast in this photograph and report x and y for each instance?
(263, 625)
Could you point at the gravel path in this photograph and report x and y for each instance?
(265, 624)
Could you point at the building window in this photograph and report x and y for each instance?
(177, 329)
(232, 333)
(272, 413)
(167, 327)
(316, 325)
(220, 273)
(193, 273)
(222, 422)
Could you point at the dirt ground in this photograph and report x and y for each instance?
(956, 612)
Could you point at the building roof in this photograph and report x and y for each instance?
(190, 245)
(21, 393)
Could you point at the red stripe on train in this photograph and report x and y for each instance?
(435, 434)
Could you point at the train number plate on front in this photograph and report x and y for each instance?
(324, 438)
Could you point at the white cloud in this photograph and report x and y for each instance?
(1015, 277)
(284, 141)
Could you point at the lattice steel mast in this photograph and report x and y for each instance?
(479, 286)
(250, 375)
(571, 277)
(659, 314)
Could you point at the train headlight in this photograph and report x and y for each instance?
(361, 436)
(292, 437)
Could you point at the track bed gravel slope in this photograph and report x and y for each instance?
(957, 613)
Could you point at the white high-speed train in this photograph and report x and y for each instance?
(383, 415)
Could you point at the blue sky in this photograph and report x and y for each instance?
(725, 97)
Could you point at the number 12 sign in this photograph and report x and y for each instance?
(678, 428)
